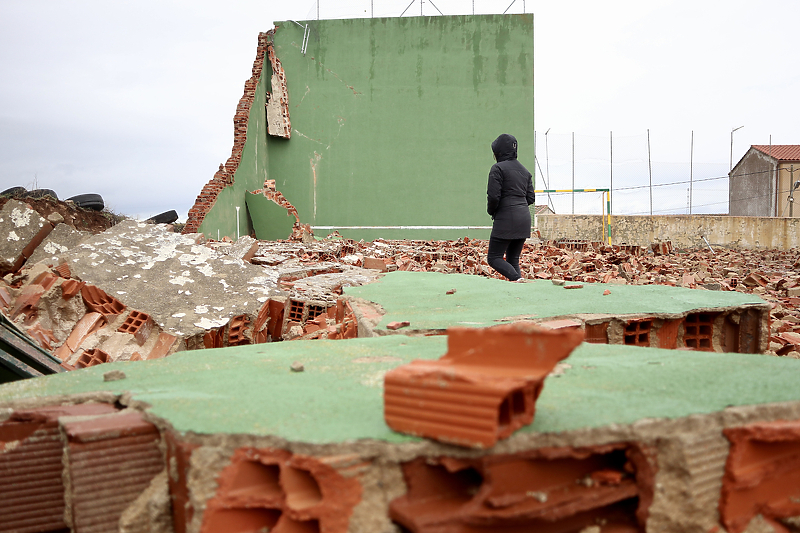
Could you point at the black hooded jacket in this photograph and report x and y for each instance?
(510, 192)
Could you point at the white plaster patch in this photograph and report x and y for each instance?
(224, 284)
(137, 276)
(54, 248)
(206, 323)
(201, 309)
(12, 236)
(121, 292)
(262, 299)
(219, 308)
(206, 270)
(181, 280)
(21, 217)
(179, 315)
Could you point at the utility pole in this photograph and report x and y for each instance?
(733, 130)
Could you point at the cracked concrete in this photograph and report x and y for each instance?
(185, 286)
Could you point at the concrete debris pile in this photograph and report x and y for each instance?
(772, 275)
(139, 291)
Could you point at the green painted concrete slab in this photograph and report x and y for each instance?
(338, 397)
(271, 222)
(420, 298)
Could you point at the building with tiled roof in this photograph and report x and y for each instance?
(761, 182)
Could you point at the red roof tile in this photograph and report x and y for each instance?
(781, 152)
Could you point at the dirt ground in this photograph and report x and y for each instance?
(81, 219)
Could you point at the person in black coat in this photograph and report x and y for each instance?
(508, 195)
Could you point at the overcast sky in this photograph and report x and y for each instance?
(134, 100)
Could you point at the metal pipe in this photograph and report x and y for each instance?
(734, 129)
(709, 246)
(650, 171)
(691, 161)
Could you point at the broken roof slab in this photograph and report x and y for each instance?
(160, 272)
(422, 299)
(339, 397)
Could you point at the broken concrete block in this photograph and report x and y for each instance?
(133, 261)
(59, 241)
(23, 229)
(500, 369)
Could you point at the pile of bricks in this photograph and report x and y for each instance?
(773, 274)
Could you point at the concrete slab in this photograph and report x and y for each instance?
(644, 315)
(23, 230)
(422, 299)
(184, 286)
(62, 239)
(338, 397)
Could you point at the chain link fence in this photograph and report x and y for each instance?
(639, 185)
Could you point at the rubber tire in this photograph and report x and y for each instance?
(15, 192)
(167, 217)
(41, 193)
(88, 201)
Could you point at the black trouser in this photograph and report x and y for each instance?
(512, 249)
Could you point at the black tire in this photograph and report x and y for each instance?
(15, 192)
(88, 201)
(167, 217)
(41, 193)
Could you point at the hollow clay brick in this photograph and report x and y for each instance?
(71, 287)
(97, 300)
(597, 333)
(698, 331)
(31, 482)
(375, 263)
(139, 325)
(237, 330)
(44, 337)
(274, 489)
(5, 298)
(762, 474)
(92, 357)
(162, 346)
(87, 325)
(110, 461)
(549, 489)
(483, 389)
(26, 303)
(63, 270)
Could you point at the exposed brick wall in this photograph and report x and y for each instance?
(224, 176)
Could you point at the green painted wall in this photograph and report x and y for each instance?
(392, 121)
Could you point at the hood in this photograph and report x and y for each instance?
(505, 147)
